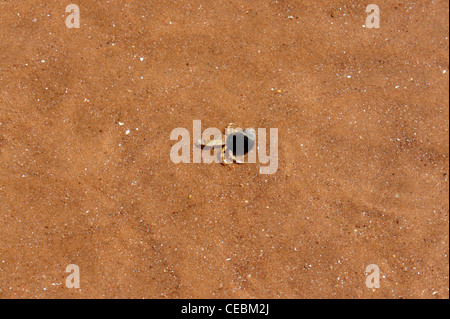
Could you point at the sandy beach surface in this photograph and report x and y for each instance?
(86, 176)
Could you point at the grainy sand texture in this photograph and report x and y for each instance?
(86, 176)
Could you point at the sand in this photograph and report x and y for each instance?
(85, 170)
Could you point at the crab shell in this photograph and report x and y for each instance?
(237, 143)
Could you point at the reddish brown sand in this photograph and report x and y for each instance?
(364, 149)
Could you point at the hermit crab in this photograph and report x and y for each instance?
(235, 143)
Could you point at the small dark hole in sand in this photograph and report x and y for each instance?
(240, 143)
